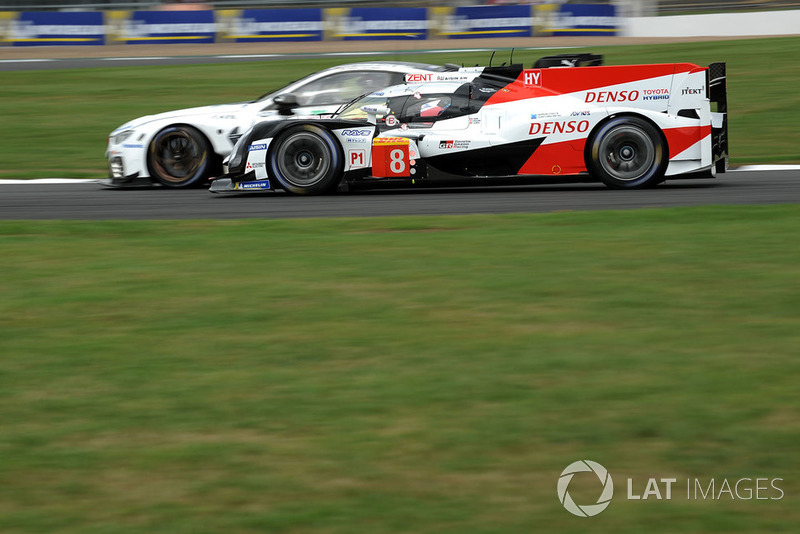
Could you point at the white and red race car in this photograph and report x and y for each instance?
(626, 126)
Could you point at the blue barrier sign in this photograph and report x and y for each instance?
(167, 27)
(257, 25)
(488, 21)
(594, 19)
(37, 28)
(378, 23)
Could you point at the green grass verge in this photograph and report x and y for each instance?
(55, 123)
(427, 375)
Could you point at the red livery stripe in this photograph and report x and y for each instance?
(556, 81)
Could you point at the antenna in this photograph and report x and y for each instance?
(511, 60)
(491, 58)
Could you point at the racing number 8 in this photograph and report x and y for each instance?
(397, 162)
(390, 159)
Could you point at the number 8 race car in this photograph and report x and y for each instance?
(626, 126)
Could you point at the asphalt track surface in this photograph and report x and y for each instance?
(92, 201)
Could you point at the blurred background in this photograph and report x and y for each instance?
(628, 7)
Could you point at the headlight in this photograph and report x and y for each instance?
(121, 137)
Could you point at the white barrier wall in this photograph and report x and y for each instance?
(716, 25)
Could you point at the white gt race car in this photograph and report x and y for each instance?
(186, 147)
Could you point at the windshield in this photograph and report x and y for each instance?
(354, 111)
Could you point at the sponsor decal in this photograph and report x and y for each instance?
(261, 184)
(379, 141)
(417, 95)
(612, 96)
(366, 23)
(252, 25)
(453, 77)
(404, 126)
(547, 115)
(487, 90)
(132, 146)
(356, 133)
(487, 21)
(692, 91)
(453, 144)
(553, 127)
(260, 146)
(391, 120)
(474, 120)
(655, 94)
(416, 78)
(532, 78)
(355, 140)
(580, 113)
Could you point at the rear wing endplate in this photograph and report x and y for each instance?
(717, 87)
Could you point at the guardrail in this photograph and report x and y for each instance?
(92, 28)
(36, 28)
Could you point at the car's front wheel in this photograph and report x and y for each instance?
(626, 153)
(306, 160)
(179, 156)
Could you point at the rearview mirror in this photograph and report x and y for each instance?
(286, 103)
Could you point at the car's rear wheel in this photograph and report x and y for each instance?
(306, 160)
(626, 153)
(179, 156)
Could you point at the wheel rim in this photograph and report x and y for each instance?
(177, 156)
(303, 160)
(627, 153)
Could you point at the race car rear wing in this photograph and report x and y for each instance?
(569, 60)
(717, 87)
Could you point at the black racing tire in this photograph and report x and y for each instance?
(626, 153)
(306, 160)
(179, 156)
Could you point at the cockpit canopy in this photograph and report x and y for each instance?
(422, 105)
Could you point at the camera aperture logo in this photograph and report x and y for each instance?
(586, 510)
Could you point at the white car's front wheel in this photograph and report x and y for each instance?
(179, 156)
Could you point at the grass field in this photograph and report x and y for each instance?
(55, 123)
(426, 375)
